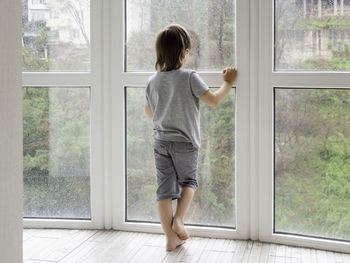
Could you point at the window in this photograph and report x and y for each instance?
(219, 206)
(311, 158)
(60, 109)
(211, 25)
(48, 41)
(312, 35)
(312, 162)
(213, 48)
(56, 152)
(214, 201)
(303, 122)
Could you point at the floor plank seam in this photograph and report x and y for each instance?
(283, 257)
(42, 260)
(77, 246)
(200, 255)
(250, 248)
(224, 251)
(147, 245)
(44, 237)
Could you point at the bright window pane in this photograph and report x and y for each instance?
(211, 24)
(56, 152)
(56, 35)
(312, 35)
(214, 201)
(312, 162)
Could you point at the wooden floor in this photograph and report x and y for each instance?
(64, 245)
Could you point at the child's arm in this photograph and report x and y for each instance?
(148, 111)
(214, 99)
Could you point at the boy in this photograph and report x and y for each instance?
(172, 100)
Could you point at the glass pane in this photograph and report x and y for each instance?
(312, 35)
(56, 152)
(56, 35)
(214, 200)
(312, 162)
(211, 24)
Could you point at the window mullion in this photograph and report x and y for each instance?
(56, 79)
(307, 79)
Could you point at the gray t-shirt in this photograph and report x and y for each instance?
(173, 98)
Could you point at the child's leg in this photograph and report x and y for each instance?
(165, 212)
(181, 208)
(186, 165)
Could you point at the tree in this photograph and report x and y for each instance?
(312, 162)
(78, 10)
(56, 152)
(319, 6)
(34, 49)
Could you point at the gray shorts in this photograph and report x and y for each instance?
(176, 165)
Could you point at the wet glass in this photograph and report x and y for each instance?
(312, 162)
(214, 200)
(211, 25)
(56, 152)
(312, 35)
(56, 35)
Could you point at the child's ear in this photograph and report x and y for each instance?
(186, 51)
(184, 54)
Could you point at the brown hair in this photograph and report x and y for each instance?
(170, 45)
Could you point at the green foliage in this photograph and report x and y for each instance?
(308, 40)
(312, 193)
(33, 53)
(44, 50)
(52, 196)
(56, 152)
(326, 23)
(339, 61)
(210, 25)
(293, 18)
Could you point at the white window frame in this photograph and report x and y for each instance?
(121, 79)
(93, 80)
(268, 79)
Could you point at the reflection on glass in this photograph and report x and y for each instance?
(214, 201)
(312, 35)
(312, 162)
(56, 35)
(211, 24)
(56, 152)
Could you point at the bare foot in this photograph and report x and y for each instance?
(179, 228)
(173, 242)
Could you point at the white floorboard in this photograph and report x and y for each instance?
(108, 246)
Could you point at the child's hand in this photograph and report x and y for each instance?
(229, 75)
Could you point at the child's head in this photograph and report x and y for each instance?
(172, 45)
